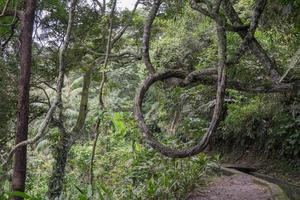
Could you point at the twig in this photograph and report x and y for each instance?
(292, 64)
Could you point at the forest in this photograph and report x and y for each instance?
(150, 99)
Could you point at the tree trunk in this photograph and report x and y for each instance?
(58, 172)
(66, 141)
(61, 151)
(20, 160)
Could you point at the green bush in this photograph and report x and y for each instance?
(264, 122)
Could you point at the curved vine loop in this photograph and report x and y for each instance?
(203, 142)
(207, 76)
(165, 150)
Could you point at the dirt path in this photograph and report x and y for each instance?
(235, 187)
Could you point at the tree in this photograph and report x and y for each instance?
(85, 74)
(55, 182)
(20, 160)
(208, 76)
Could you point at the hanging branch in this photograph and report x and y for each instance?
(107, 54)
(146, 36)
(110, 43)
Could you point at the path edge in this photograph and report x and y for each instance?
(276, 192)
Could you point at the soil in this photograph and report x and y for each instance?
(236, 187)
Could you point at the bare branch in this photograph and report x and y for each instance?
(5, 8)
(198, 5)
(46, 95)
(107, 54)
(217, 5)
(101, 103)
(257, 12)
(100, 6)
(294, 61)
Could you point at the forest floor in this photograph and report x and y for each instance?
(235, 187)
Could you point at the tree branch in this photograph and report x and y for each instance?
(101, 103)
(253, 45)
(257, 12)
(221, 87)
(146, 35)
(122, 31)
(12, 32)
(293, 63)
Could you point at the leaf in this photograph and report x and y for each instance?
(19, 194)
(83, 197)
(89, 191)
(107, 191)
(101, 197)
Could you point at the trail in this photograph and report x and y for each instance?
(233, 184)
(235, 187)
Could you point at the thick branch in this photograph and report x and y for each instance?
(202, 144)
(209, 77)
(206, 77)
(256, 14)
(146, 36)
(253, 45)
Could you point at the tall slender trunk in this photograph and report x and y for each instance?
(56, 180)
(20, 160)
(65, 143)
(101, 102)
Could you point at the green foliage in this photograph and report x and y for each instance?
(125, 167)
(23, 195)
(182, 42)
(7, 103)
(265, 123)
(130, 171)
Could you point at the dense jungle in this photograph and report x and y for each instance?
(150, 99)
